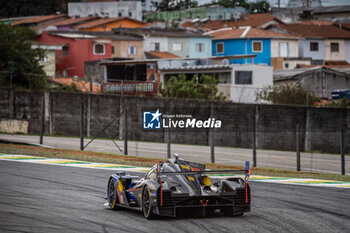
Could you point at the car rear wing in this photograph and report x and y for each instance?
(246, 171)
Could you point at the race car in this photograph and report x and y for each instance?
(180, 186)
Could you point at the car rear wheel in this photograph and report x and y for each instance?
(147, 208)
(112, 195)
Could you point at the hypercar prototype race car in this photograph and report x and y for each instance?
(180, 186)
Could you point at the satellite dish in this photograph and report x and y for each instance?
(225, 62)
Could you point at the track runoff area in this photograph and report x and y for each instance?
(123, 167)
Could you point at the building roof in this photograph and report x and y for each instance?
(281, 75)
(103, 21)
(253, 20)
(317, 31)
(81, 84)
(332, 9)
(247, 32)
(156, 54)
(159, 32)
(38, 19)
(316, 22)
(69, 21)
(93, 34)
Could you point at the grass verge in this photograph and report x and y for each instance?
(147, 162)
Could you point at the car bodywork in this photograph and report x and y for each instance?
(178, 185)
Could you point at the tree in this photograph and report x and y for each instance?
(16, 8)
(19, 63)
(169, 5)
(251, 7)
(259, 7)
(288, 94)
(204, 87)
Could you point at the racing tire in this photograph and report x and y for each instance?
(113, 199)
(147, 208)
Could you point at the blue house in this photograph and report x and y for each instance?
(246, 40)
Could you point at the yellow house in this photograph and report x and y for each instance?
(107, 24)
(49, 60)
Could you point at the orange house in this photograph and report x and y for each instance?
(107, 24)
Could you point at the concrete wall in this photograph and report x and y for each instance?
(262, 76)
(335, 56)
(49, 64)
(207, 47)
(121, 49)
(162, 40)
(275, 124)
(244, 46)
(293, 48)
(304, 49)
(185, 46)
(347, 50)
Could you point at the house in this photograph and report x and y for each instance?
(319, 42)
(320, 79)
(247, 40)
(122, 45)
(213, 12)
(66, 24)
(76, 49)
(39, 20)
(253, 20)
(179, 42)
(49, 60)
(109, 9)
(239, 83)
(107, 24)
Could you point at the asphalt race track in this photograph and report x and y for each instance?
(49, 198)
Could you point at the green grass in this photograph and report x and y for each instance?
(148, 162)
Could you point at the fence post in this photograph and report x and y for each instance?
(212, 146)
(297, 146)
(42, 119)
(342, 151)
(125, 132)
(169, 143)
(254, 142)
(82, 126)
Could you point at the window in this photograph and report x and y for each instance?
(65, 50)
(243, 77)
(220, 48)
(313, 46)
(132, 50)
(112, 49)
(43, 59)
(155, 46)
(177, 47)
(199, 47)
(257, 46)
(334, 47)
(286, 65)
(99, 49)
(130, 14)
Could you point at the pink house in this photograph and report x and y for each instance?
(76, 49)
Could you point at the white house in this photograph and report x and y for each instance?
(248, 80)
